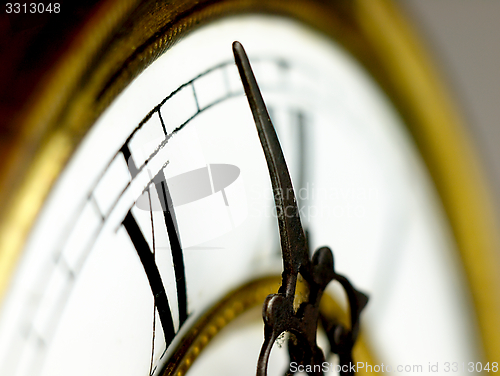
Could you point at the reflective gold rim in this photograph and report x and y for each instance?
(236, 303)
(117, 45)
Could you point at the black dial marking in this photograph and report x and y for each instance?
(302, 148)
(148, 262)
(175, 244)
(162, 123)
(130, 162)
(154, 307)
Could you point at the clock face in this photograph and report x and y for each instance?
(166, 207)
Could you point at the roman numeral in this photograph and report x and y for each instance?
(175, 244)
(148, 260)
(153, 275)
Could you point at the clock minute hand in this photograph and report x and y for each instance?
(293, 240)
(278, 311)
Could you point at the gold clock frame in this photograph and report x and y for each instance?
(124, 37)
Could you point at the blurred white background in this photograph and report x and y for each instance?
(464, 38)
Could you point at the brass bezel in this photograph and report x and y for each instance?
(124, 37)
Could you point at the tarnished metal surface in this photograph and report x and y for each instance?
(278, 311)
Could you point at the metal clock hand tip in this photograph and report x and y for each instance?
(293, 241)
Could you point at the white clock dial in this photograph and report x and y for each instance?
(167, 203)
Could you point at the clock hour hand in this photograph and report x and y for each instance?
(278, 312)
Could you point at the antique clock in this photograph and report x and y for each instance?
(140, 230)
